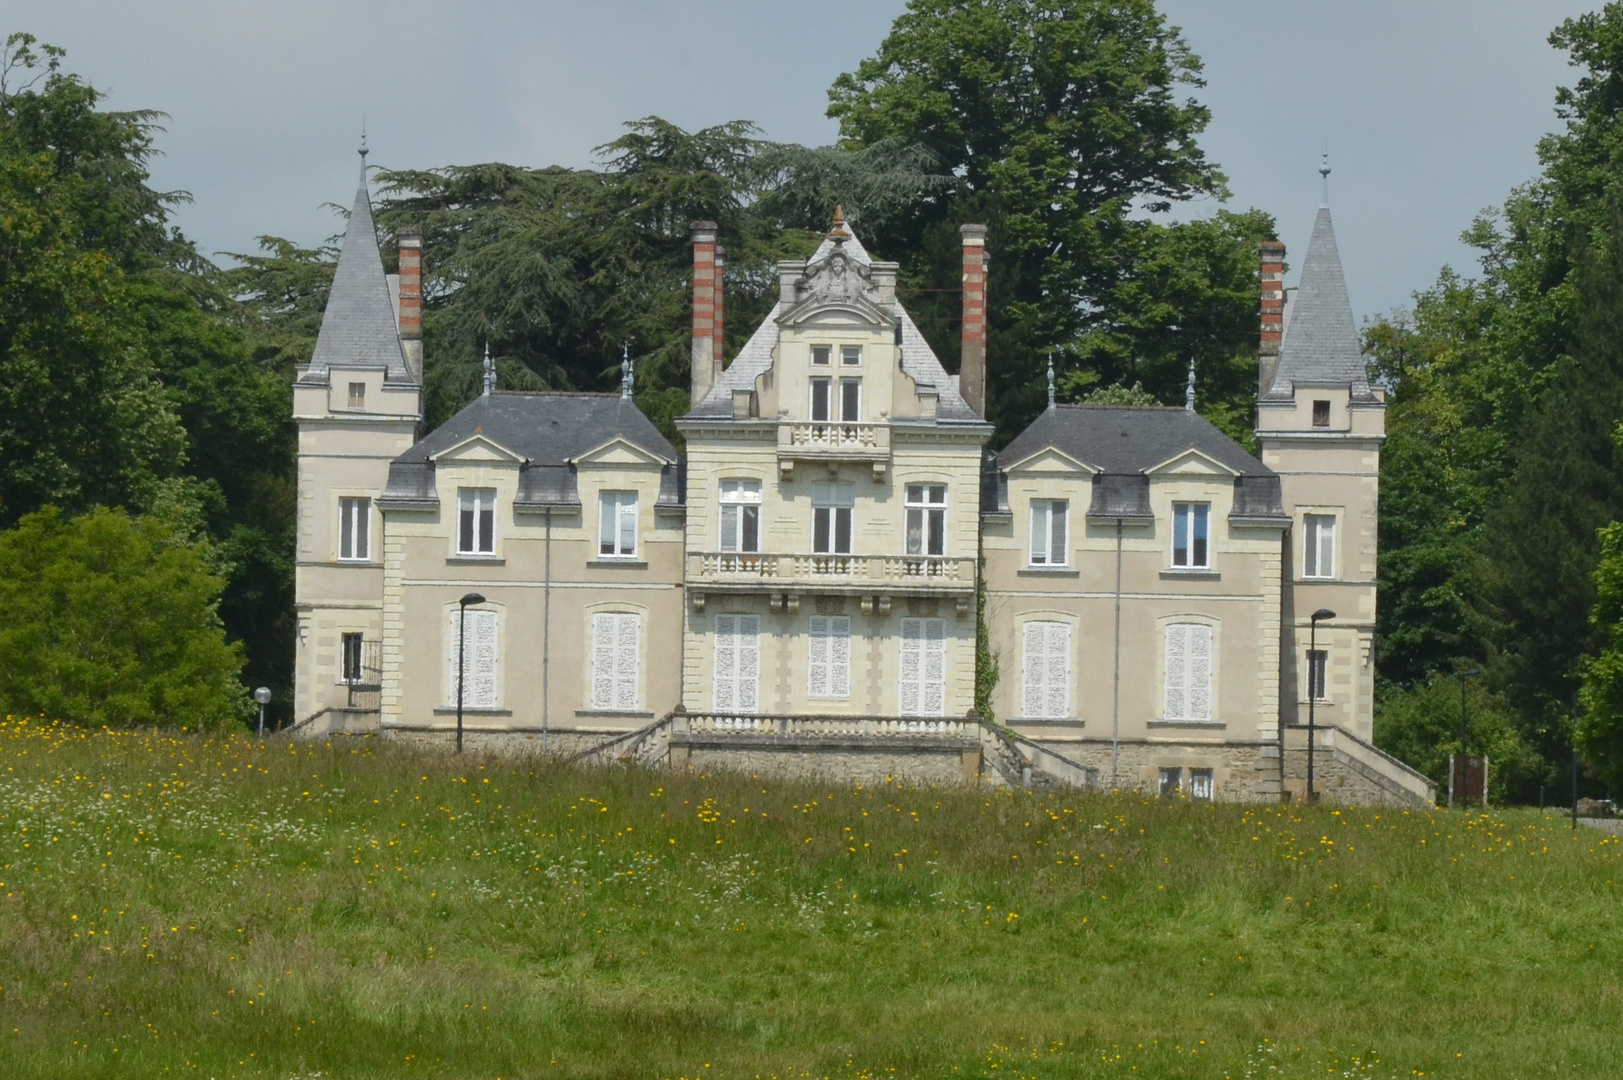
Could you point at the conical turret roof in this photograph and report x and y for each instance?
(1321, 341)
(359, 327)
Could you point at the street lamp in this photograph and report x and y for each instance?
(263, 696)
(1312, 690)
(461, 657)
(1465, 758)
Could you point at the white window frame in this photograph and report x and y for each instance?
(828, 657)
(740, 514)
(850, 355)
(357, 395)
(1189, 667)
(736, 676)
(825, 384)
(855, 411)
(822, 356)
(1319, 546)
(1045, 655)
(480, 538)
(354, 529)
(480, 660)
(922, 670)
(925, 530)
(1188, 520)
(833, 511)
(617, 525)
(616, 661)
(1050, 532)
(1202, 784)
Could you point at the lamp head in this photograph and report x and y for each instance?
(1323, 613)
(471, 598)
(1470, 673)
(263, 695)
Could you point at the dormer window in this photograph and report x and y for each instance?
(357, 395)
(1190, 549)
(820, 355)
(1321, 414)
(476, 521)
(850, 355)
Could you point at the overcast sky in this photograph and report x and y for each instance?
(1431, 108)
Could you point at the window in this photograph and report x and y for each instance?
(1319, 546)
(354, 527)
(820, 389)
(924, 667)
(850, 355)
(820, 354)
(476, 527)
(617, 524)
(829, 663)
(1048, 543)
(1190, 550)
(926, 519)
(478, 673)
(1047, 660)
(1316, 662)
(741, 515)
(1188, 672)
(1171, 781)
(616, 647)
(850, 400)
(357, 395)
(831, 518)
(1321, 414)
(1200, 784)
(738, 663)
(351, 669)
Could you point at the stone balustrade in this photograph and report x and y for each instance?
(857, 573)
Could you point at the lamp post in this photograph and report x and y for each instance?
(462, 657)
(263, 696)
(1465, 754)
(1313, 691)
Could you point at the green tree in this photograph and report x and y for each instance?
(113, 620)
(1420, 725)
(1600, 725)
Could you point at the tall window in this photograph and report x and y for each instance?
(850, 355)
(1319, 546)
(1048, 543)
(478, 659)
(926, 519)
(741, 515)
(924, 667)
(616, 647)
(738, 663)
(850, 400)
(1317, 660)
(357, 395)
(617, 524)
(351, 670)
(1047, 670)
(1188, 672)
(1190, 547)
(820, 355)
(821, 389)
(831, 518)
(829, 663)
(354, 529)
(476, 525)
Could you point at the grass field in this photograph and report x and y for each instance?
(195, 907)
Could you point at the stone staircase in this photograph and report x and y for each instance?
(1347, 769)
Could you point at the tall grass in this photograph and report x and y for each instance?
(224, 908)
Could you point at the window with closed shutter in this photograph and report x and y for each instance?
(1047, 670)
(829, 660)
(923, 667)
(479, 660)
(616, 654)
(1188, 672)
(738, 663)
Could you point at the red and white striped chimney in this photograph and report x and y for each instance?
(704, 310)
(411, 299)
(719, 332)
(972, 362)
(1271, 253)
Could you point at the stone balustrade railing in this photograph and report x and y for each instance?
(782, 570)
(873, 727)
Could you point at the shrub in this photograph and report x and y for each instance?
(1421, 726)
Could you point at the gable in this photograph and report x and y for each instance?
(619, 451)
(1191, 462)
(477, 449)
(1051, 460)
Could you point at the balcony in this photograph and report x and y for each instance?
(881, 575)
(833, 444)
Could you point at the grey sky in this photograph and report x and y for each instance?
(1431, 107)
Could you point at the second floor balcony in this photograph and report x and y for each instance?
(832, 442)
(733, 571)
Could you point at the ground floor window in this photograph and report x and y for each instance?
(351, 671)
(1046, 669)
(477, 676)
(829, 659)
(923, 673)
(738, 663)
(616, 650)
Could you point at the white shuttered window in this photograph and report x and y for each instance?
(616, 650)
(829, 663)
(738, 663)
(479, 660)
(1188, 672)
(1047, 670)
(924, 667)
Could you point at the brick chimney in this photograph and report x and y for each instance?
(411, 299)
(1272, 256)
(720, 331)
(972, 362)
(704, 310)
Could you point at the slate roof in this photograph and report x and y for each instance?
(359, 327)
(548, 430)
(1321, 340)
(1121, 443)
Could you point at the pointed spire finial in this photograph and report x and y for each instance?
(490, 371)
(628, 375)
(363, 151)
(1050, 378)
(1189, 389)
(1324, 171)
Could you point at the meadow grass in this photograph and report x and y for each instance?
(226, 908)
